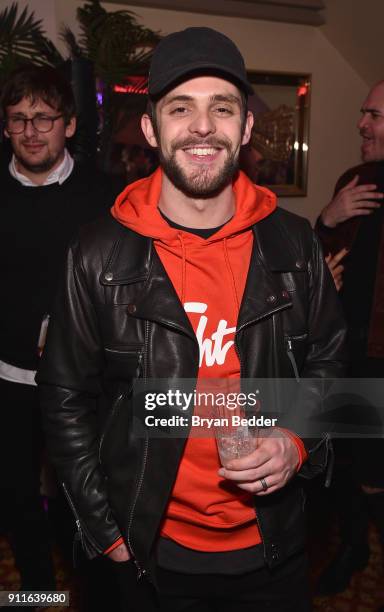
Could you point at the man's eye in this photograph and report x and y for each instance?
(179, 110)
(223, 110)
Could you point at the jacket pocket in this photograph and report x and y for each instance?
(320, 459)
(127, 369)
(296, 349)
(122, 363)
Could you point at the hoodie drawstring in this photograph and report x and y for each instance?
(231, 275)
(183, 267)
(184, 271)
(228, 265)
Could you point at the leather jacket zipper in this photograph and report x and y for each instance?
(256, 320)
(140, 570)
(132, 349)
(241, 374)
(261, 317)
(81, 531)
(330, 458)
(292, 359)
(138, 373)
(326, 439)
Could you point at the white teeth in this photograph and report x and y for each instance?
(199, 151)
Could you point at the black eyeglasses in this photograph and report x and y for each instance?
(41, 123)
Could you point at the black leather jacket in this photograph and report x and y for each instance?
(117, 318)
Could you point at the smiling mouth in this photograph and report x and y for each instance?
(365, 136)
(202, 151)
(33, 144)
(202, 154)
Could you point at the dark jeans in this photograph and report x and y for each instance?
(284, 589)
(368, 454)
(21, 509)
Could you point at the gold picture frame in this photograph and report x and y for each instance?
(277, 154)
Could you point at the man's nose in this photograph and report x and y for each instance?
(363, 122)
(202, 124)
(29, 130)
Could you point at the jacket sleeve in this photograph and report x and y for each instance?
(326, 360)
(337, 238)
(326, 325)
(70, 393)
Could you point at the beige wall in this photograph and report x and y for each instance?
(336, 94)
(356, 28)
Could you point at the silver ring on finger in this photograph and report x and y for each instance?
(263, 483)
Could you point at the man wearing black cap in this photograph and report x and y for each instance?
(197, 275)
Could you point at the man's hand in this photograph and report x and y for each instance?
(275, 460)
(335, 268)
(119, 554)
(351, 201)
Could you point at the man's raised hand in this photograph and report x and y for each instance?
(352, 200)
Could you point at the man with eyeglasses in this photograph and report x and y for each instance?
(38, 156)
(45, 197)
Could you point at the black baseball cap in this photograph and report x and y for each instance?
(195, 51)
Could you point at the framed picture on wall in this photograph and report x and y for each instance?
(277, 155)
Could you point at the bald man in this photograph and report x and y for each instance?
(354, 220)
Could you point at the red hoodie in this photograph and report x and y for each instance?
(205, 511)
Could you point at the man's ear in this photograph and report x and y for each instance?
(248, 128)
(70, 128)
(6, 133)
(148, 131)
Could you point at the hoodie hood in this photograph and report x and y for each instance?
(137, 208)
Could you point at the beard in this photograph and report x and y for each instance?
(200, 183)
(37, 167)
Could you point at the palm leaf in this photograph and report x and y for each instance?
(114, 41)
(68, 37)
(23, 40)
(48, 52)
(17, 33)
